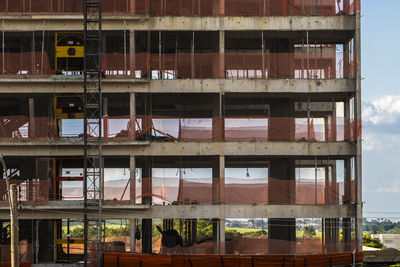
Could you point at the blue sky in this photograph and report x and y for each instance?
(381, 107)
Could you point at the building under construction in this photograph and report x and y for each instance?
(211, 131)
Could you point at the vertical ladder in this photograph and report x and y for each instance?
(93, 162)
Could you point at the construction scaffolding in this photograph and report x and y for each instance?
(92, 131)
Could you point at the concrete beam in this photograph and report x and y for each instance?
(74, 211)
(144, 148)
(143, 22)
(63, 85)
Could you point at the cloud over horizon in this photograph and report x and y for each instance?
(384, 110)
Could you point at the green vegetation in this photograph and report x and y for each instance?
(309, 231)
(368, 241)
(381, 226)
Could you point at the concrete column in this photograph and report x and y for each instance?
(132, 235)
(333, 123)
(132, 116)
(147, 224)
(347, 181)
(347, 234)
(218, 181)
(218, 122)
(357, 115)
(218, 197)
(282, 173)
(346, 50)
(219, 236)
(347, 121)
(221, 73)
(331, 227)
(132, 188)
(132, 52)
(31, 107)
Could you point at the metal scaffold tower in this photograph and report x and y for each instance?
(93, 162)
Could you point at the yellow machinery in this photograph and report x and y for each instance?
(69, 52)
(67, 107)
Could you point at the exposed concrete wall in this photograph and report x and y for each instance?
(53, 85)
(142, 148)
(69, 210)
(74, 23)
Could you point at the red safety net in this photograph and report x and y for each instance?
(190, 129)
(317, 260)
(32, 192)
(238, 128)
(23, 64)
(302, 64)
(287, 7)
(25, 128)
(67, 7)
(25, 253)
(261, 246)
(245, 191)
(314, 64)
(187, 8)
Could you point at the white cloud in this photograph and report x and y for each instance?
(384, 110)
(371, 142)
(391, 188)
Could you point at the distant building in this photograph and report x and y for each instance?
(389, 240)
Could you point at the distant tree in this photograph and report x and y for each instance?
(309, 231)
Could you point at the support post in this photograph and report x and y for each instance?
(357, 111)
(31, 131)
(218, 181)
(347, 121)
(147, 224)
(132, 116)
(133, 235)
(132, 55)
(346, 60)
(132, 169)
(14, 226)
(221, 73)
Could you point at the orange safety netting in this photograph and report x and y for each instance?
(302, 64)
(241, 191)
(324, 64)
(25, 64)
(328, 128)
(67, 6)
(261, 246)
(187, 8)
(33, 191)
(317, 260)
(25, 128)
(231, 191)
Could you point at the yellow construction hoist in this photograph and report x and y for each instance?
(69, 55)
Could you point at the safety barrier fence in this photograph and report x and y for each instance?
(173, 190)
(317, 260)
(14, 65)
(188, 8)
(160, 128)
(31, 192)
(302, 64)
